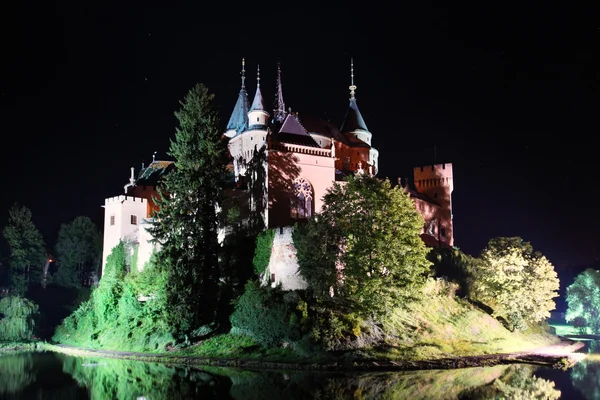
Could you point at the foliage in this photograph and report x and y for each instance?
(580, 324)
(78, 249)
(27, 249)
(518, 283)
(520, 383)
(583, 299)
(114, 317)
(456, 266)
(19, 318)
(263, 314)
(262, 254)
(365, 246)
(186, 223)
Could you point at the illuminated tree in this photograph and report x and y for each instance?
(78, 249)
(186, 223)
(583, 299)
(27, 249)
(518, 283)
(364, 247)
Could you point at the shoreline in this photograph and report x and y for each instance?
(560, 355)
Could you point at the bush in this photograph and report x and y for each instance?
(115, 317)
(262, 254)
(580, 324)
(263, 314)
(18, 322)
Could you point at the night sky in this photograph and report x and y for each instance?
(508, 94)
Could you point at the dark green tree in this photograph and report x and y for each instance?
(364, 250)
(187, 222)
(78, 250)
(583, 300)
(26, 247)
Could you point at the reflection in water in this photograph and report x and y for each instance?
(585, 375)
(16, 372)
(49, 375)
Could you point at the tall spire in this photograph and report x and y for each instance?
(353, 120)
(238, 122)
(279, 106)
(257, 104)
(243, 73)
(352, 86)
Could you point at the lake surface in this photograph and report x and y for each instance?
(47, 375)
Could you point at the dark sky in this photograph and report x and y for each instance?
(508, 94)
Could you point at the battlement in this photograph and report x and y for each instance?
(123, 198)
(436, 171)
(433, 175)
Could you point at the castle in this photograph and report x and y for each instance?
(303, 158)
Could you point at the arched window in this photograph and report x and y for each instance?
(302, 199)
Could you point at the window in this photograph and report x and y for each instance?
(432, 228)
(256, 119)
(272, 277)
(134, 220)
(301, 202)
(444, 232)
(435, 195)
(112, 220)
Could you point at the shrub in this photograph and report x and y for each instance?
(580, 324)
(262, 314)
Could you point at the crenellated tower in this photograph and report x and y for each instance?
(437, 183)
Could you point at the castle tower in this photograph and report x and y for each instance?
(437, 183)
(238, 122)
(243, 145)
(354, 126)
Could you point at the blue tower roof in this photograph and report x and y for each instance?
(239, 116)
(258, 103)
(353, 119)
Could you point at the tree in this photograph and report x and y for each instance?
(18, 318)
(583, 299)
(186, 224)
(518, 283)
(78, 249)
(26, 247)
(364, 247)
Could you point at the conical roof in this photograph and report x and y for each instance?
(258, 103)
(353, 120)
(239, 117)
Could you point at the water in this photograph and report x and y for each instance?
(46, 375)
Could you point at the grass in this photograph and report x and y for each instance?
(446, 326)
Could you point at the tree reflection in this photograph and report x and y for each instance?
(16, 373)
(126, 379)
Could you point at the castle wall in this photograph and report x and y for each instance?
(283, 265)
(316, 166)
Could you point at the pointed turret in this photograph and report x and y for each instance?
(238, 122)
(258, 116)
(279, 106)
(354, 121)
(354, 127)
